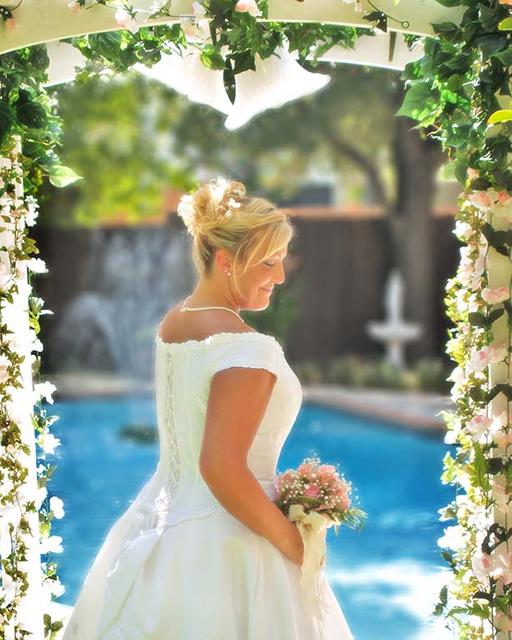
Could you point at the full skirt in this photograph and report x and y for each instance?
(203, 578)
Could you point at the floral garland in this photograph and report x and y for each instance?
(476, 548)
(230, 36)
(18, 215)
(455, 93)
(27, 114)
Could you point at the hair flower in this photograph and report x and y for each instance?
(218, 189)
(185, 210)
(233, 204)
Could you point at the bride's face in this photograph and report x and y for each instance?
(257, 283)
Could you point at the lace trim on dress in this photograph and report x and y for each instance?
(153, 513)
(205, 341)
(173, 479)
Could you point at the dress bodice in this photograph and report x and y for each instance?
(183, 372)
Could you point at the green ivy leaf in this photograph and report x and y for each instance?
(461, 171)
(480, 184)
(477, 319)
(445, 28)
(62, 176)
(502, 115)
(477, 394)
(418, 102)
(478, 469)
(244, 62)
(448, 556)
(505, 24)
(503, 250)
(495, 465)
(212, 58)
(491, 44)
(505, 56)
(494, 315)
(451, 3)
(503, 388)
(228, 78)
(29, 112)
(7, 120)
(443, 597)
(106, 44)
(489, 18)
(480, 610)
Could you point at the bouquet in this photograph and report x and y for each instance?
(315, 497)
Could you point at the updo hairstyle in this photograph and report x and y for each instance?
(220, 215)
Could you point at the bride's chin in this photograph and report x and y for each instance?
(258, 306)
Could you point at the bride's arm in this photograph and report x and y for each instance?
(236, 404)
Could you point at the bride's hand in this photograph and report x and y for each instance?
(296, 546)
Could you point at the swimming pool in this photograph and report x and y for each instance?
(386, 576)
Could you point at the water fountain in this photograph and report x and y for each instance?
(395, 332)
(136, 275)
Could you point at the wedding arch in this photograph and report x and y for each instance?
(456, 57)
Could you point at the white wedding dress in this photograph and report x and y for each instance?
(176, 565)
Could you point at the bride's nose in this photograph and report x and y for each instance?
(280, 277)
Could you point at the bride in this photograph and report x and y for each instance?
(203, 553)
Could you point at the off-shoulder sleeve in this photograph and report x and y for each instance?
(257, 351)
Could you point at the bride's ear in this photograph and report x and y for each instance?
(223, 260)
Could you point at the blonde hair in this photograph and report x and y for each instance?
(220, 215)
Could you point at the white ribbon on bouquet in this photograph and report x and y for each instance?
(313, 530)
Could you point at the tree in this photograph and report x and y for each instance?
(116, 136)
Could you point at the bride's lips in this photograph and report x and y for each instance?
(267, 290)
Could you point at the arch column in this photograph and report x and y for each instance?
(499, 274)
(16, 533)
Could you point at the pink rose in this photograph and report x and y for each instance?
(327, 468)
(480, 199)
(343, 503)
(503, 569)
(312, 491)
(493, 296)
(491, 354)
(483, 565)
(503, 197)
(248, 6)
(327, 473)
(502, 438)
(479, 426)
(503, 622)
(306, 468)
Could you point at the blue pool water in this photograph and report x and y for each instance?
(386, 576)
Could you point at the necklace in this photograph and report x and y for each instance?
(185, 308)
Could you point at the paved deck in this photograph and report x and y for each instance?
(411, 410)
